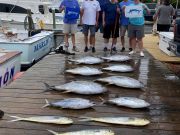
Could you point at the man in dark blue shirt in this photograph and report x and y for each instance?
(111, 13)
(100, 26)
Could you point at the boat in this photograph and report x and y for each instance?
(9, 66)
(14, 12)
(33, 47)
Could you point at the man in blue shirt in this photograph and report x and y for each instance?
(124, 22)
(111, 14)
(70, 20)
(136, 28)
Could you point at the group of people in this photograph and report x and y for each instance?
(109, 16)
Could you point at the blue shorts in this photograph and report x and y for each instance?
(86, 29)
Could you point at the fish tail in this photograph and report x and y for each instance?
(48, 87)
(53, 132)
(16, 118)
(47, 104)
(83, 118)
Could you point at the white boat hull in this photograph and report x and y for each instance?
(33, 48)
(9, 66)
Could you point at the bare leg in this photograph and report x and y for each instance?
(140, 44)
(86, 40)
(92, 40)
(66, 36)
(73, 39)
(122, 41)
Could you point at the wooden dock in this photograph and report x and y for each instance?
(25, 97)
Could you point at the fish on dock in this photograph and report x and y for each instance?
(117, 58)
(119, 68)
(45, 119)
(132, 121)
(122, 81)
(86, 71)
(71, 103)
(79, 87)
(87, 60)
(131, 102)
(86, 132)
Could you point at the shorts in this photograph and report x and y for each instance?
(123, 29)
(86, 29)
(110, 32)
(69, 28)
(99, 27)
(162, 27)
(135, 31)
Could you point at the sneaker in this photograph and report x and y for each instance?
(114, 49)
(123, 49)
(86, 49)
(93, 49)
(130, 49)
(105, 49)
(75, 49)
(132, 52)
(141, 54)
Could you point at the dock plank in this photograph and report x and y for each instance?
(25, 97)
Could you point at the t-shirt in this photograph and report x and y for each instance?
(138, 20)
(124, 20)
(110, 10)
(164, 14)
(102, 3)
(90, 8)
(70, 4)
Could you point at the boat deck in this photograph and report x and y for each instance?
(25, 97)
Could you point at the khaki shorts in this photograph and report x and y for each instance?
(69, 28)
(123, 29)
(135, 31)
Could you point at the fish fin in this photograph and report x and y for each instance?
(16, 118)
(53, 132)
(66, 91)
(85, 118)
(102, 99)
(48, 87)
(47, 104)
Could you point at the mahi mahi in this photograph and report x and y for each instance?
(79, 87)
(122, 81)
(86, 132)
(45, 119)
(119, 68)
(133, 121)
(85, 71)
(131, 102)
(117, 58)
(87, 60)
(71, 103)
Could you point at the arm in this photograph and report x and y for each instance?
(103, 19)
(97, 17)
(81, 14)
(61, 7)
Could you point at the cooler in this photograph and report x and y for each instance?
(165, 38)
(175, 47)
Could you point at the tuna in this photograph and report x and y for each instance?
(86, 132)
(87, 60)
(117, 58)
(71, 103)
(119, 68)
(79, 87)
(130, 102)
(133, 121)
(87, 71)
(122, 81)
(45, 119)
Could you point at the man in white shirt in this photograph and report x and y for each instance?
(89, 18)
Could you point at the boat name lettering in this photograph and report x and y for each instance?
(40, 45)
(8, 75)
